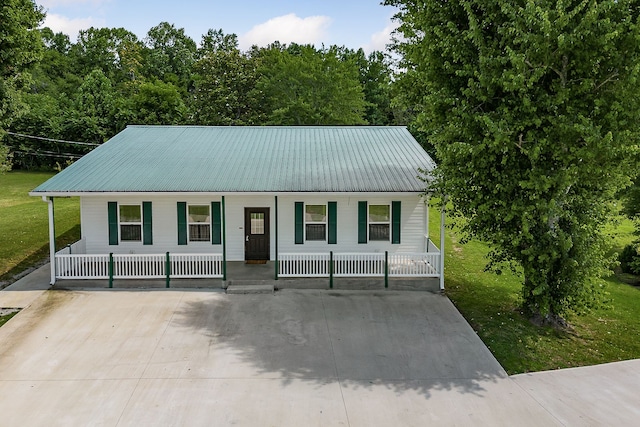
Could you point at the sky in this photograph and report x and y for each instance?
(352, 23)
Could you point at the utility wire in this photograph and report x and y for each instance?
(68, 156)
(51, 139)
(50, 152)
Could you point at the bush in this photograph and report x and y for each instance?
(630, 259)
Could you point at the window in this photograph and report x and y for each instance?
(316, 222)
(379, 222)
(199, 220)
(257, 222)
(315, 218)
(130, 223)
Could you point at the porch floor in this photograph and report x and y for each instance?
(241, 273)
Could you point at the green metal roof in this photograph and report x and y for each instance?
(248, 159)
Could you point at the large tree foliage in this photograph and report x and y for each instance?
(158, 103)
(375, 78)
(301, 85)
(92, 117)
(170, 54)
(20, 46)
(533, 109)
(114, 51)
(92, 88)
(225, 80)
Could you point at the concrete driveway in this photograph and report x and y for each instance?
(294, 358)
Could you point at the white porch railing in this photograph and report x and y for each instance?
(414, 265)
(72, 265)
(81, 266)
(196, 266)
(359, 265)
(303, 265)
(137, 266)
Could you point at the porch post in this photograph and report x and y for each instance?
(276, 209)
(224, 241)
(442, 218)
(386, 269)
(52, 239)
(426, 224)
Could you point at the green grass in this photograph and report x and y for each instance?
(4, 319)
(24, 235)
(490, 303)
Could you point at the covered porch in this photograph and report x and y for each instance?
(320, 269)
(323, 269)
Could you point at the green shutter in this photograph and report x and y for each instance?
(362, 222)
(147, 227)
(395, 222)
(333, 223)
(216, 224)
(182, 223)
(299, 223)
(112, 210)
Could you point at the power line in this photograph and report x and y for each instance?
(67, 156)
(55, 153)
(51, 139)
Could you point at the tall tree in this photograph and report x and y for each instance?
(375, 78)
(55, 73)
(304, 86)
(170, 54)
(20, 45)
(533, 109)
(92, 117)
(225, 79)
(115, 51)
(158, 103)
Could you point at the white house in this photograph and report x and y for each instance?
(182, 201)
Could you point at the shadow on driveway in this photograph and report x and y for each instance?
(401, 340)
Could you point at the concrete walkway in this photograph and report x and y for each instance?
(325, 358)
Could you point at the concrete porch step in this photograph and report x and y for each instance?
(250, 289)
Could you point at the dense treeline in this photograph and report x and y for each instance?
(90, 90)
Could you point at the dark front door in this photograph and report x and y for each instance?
(256, 234)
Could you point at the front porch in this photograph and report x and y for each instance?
(212, 270)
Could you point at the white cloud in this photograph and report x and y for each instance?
(381, 39)
(68, 26)
(287, 29)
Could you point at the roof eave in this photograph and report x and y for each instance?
(217, 193)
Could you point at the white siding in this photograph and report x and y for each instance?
(95, 226)
(411, 224)
(165, 230)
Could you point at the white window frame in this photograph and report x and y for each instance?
(121, 223)
(325, 222)
(369, 222)
(189, 223)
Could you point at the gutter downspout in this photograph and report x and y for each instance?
(52, 239)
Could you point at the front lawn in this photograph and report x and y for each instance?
(24, 240)
(490, 304)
